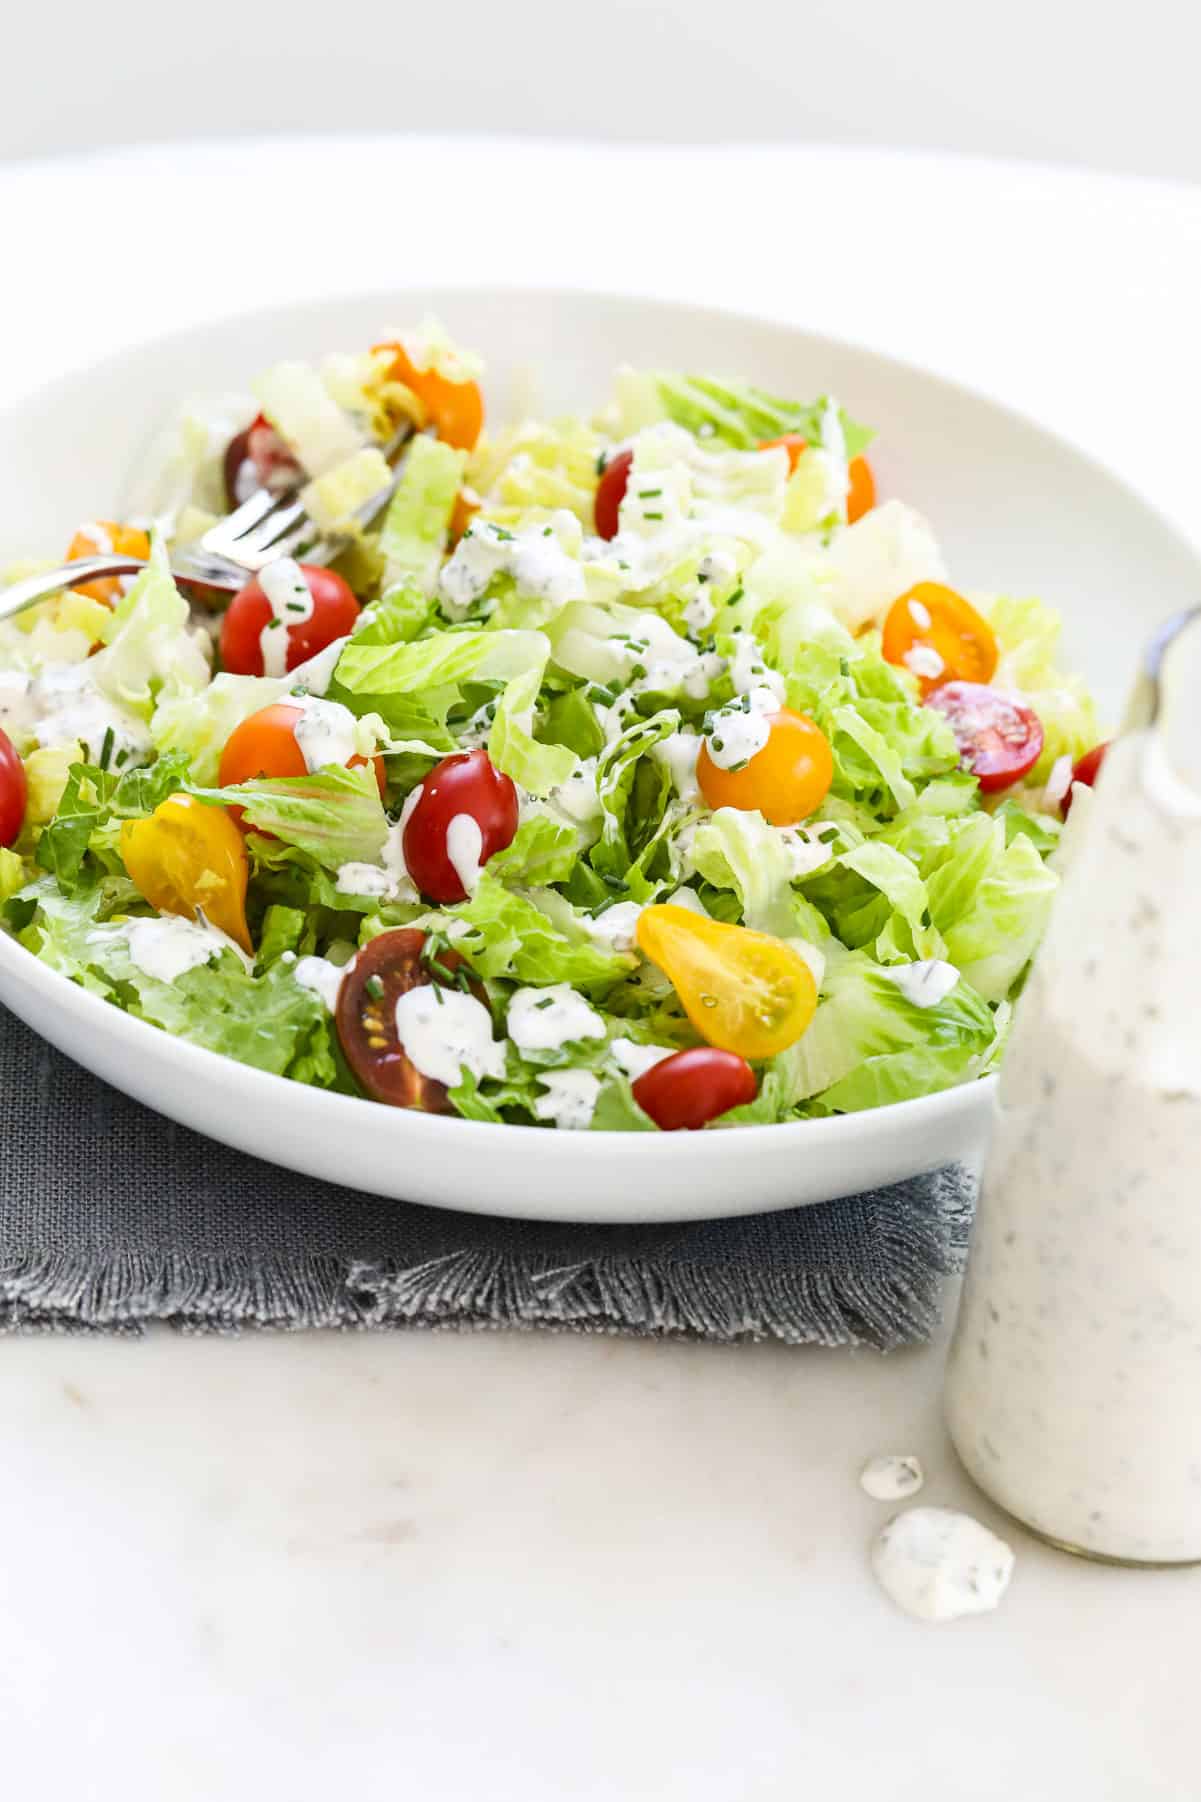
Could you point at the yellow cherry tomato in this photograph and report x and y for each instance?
(787, 780)
(742, 990)
(99, 538)
(188, 858)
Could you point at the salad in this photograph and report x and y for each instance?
(636, 771)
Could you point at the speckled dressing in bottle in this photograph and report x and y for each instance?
(1074, 1382)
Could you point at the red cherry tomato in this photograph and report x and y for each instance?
(1086, 771)
(272, 463)
(465, 783)
(611, 492)
(384, 970)
(12, 792)
(335, 611)
(999, 739)
(690, 1088)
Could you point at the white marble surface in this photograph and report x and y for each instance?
(534, 1568)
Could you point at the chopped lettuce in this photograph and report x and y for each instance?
(413, 538)
(335, 815)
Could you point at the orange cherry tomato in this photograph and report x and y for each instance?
(861, 495)
(265, 745)
(743, 991)
(939, 637)
(454, 409)
(188, 858)
(787, 780)
(792, 442)
(99, 538)
(467, 505)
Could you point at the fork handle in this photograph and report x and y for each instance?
(27, 593)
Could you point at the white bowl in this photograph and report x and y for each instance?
(1015, 508)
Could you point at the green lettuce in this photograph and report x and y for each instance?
(742, 416)
(868, 1044)
(510, 935)
(335, 815)
(149, 648)
(447, 659)
(538, 768)
(268, 1021)
(413, 536)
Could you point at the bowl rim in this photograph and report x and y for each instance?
(199, 1063)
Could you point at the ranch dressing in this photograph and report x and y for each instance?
(1074, 1382)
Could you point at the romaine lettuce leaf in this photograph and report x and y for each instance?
(538, 768)
(413, 537)
(335, 814)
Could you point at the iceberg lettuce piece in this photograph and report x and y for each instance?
(869, 1043)
(511, 936)
(199, 724)
(448, 658)
(335, 815)
(538, 768)
(150, 647)
(414, 533)
(306, 416)
(332, 501)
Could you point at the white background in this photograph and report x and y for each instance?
(1059, 80)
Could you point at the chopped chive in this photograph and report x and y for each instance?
(548, 531)
(600, 463)
(106, 749)
(438, 993)
(649, 494)
(119, 759)
(615, 882)
(547, 1001)
(639, 671)
(295, 607)
(272, 624)
(652, 516)
(736, 596)
(374, 987)
(442, 970)
(717, 744)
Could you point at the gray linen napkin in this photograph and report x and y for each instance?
(111, 1216)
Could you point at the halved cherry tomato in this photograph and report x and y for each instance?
(454, 409)
(610, 493)
(334, 614)
(467, 505)
(792, 442)
(13, 792)
(688, 1089)
(743, 991)
(999, 739)
(466, 783)
(939, 637)
(1086, 771)
(265, 745)
(98, 538)
(188, 858)
(272, 464)
(861, 495)
(787, 780)
(384, 970)
(861, 492)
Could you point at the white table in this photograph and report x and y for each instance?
(525, 1569)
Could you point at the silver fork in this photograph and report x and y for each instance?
(271, 525)
(213, 571)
